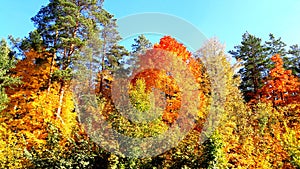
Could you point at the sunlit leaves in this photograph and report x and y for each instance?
(11, 149)
(6, 63)
(170, 44)
(281, 87)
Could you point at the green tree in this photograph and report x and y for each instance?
(6, 63)
(275, 46)
(295, 60)
(141, 45)
(252, 54)
(68, 30)
(213, 154)
(291, 57)
(112, 53)
(33, 42)
(64, 26)
(11, 154)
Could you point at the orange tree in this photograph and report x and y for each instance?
(140, 92)
(276, 119)
(281, 87)
(32, 118)
(20, 115)
(188, 150)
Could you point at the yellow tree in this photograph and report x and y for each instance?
(276, 119)
(281, 90)
(31, 107)
(12, 147)
(229, 133)
(20, 115)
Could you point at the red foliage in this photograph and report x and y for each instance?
(282, 87)
(170, 44)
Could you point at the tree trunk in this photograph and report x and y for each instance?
(61, 97)
(51, 72)
(52, 64)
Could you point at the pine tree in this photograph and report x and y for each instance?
(295, 60)
(141, 45)
(275, 46)
(252, 54)
(111, 54)
(64, 26)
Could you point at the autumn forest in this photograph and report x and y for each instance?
(227, 109)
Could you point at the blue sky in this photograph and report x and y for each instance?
(227, 20)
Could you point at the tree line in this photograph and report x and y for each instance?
(247, 117)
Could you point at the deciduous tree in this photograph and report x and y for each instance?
(281, 87)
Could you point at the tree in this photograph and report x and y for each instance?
(188, 150)
(33, 42)
(178, 50)
(64, 26)
(281, 87)
(12, 149)
(227, 125)
(275, 46)
(140, 46)
(255, 63)
(6, 63)
(29, 111)
(140, 92)
(111, 55)
(290, 57)
(275, 119)
(295, 60)
(30, 115)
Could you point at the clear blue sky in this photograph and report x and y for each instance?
(227, 19)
